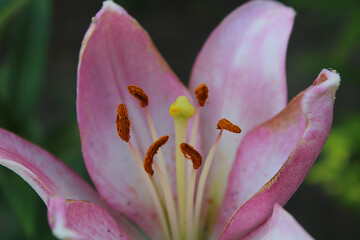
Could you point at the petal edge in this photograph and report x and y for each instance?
(243, 64)
(316, 105)
(280, 226)
(44, 173)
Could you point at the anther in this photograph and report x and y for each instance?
(139, 94)
(123, 123)
(202, 93)
(153, 149)
(227, 125)
(192, 154)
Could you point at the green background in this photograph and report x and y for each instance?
(39, 45)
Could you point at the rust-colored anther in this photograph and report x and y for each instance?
(227, 125)
(139, 94)
(153, 149)
(123, 122)
(192, 154)
(202, 93)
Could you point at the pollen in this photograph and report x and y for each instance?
(123, 123)
(192, 154)
(153, 149)
(182, 108)
(202, 93)
(139, 94)
(227, 125)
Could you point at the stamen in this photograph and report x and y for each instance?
(202, 93)
(170, 205)
(123, 123)
(196, 158)
(138, 93)
(161, 170)
(123, 127)
(150, 186)
(192, 154)
(202, 181)
(223, 124)
(227, 125)
(153, 149)
(193, 139)
(154, 136)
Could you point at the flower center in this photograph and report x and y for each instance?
(182, 221)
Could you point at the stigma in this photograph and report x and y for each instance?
(182, 108)
(179, 218)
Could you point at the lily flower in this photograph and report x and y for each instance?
(234, 185)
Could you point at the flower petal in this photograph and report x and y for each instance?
(42, 171)
(81, 220)
(117, 52)
(291, 141)
(280, 226)
(243, 64)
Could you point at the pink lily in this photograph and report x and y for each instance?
(253, 174)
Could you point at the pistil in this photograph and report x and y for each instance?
(182, 110)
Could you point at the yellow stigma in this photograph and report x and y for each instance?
(182, 108)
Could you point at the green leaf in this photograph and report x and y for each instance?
(8, 8)
(25, 60)
(348, 42)
(33, 58)
(22, 199)
(337, 169)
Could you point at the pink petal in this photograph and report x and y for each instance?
(117, 52)
(243, 64)
(291, 141)
(81, 220)
(42, 171)
(280, 226)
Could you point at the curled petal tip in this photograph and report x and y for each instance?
(274, 6)
(328, 81)
(109, 5)
(330, 76)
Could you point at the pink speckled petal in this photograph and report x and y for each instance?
(42, 171)
(243, 64)
(291, 141)
(81, 220)
(280, 226)
(117, 52)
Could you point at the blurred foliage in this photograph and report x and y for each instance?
(343, 17)
(25, 30)
(23, 67)
(338, 169)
